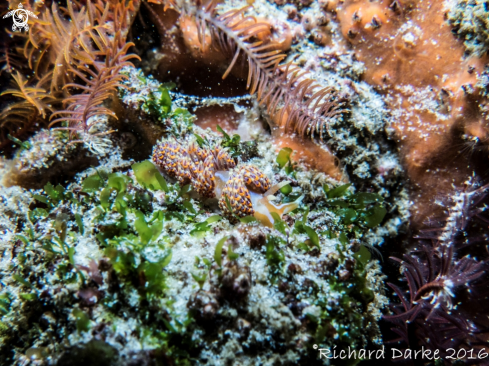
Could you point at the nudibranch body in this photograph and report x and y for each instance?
(214, 173)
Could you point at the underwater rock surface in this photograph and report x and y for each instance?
(223, 183)
(125, 256)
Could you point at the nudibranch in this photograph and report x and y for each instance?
(213, 173)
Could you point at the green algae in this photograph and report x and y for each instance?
(137, 248)
(158, 104)
(148, 176)
(137, 224)
(284, 161)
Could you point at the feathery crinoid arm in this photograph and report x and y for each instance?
(292, 99)
(35, 96)
(17, 114)
(16, 120)
(237, 34)
(55, 39)
(10, 60)
(80, 107)
(100, 81)
(307, 107)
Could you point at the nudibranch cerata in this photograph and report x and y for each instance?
(214, 173)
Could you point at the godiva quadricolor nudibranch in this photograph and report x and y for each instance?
(213, 173)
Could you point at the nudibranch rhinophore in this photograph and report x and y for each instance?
(214, 173)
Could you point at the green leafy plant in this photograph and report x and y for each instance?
(232, 256)
(25, 145)
(201, 141)
(201, 275)
(248, 219)
(117, 183)
(218, 251)
(357, 210)
(149, 274)
(232, 143)
(279, 224)
(5, 301)
(92, 183)
(153, 274)
(160, 105)
(149, 177)
(284, 161)
(203, 227)
(82, 320)
(275, 257)
(147, 232)
(363, 255)
(199, 278)
(79, 222)
(301, 228)
(122, 262)
(22, 281)
(54, 195)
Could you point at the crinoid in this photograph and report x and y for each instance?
(55, 42)
(49, 45)
(431, 313)
(16, 121)
(10, 60)
(100, 83)
(35, 96)
(19, 118)
(98, 79)
(292, 100)
(75, 55)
